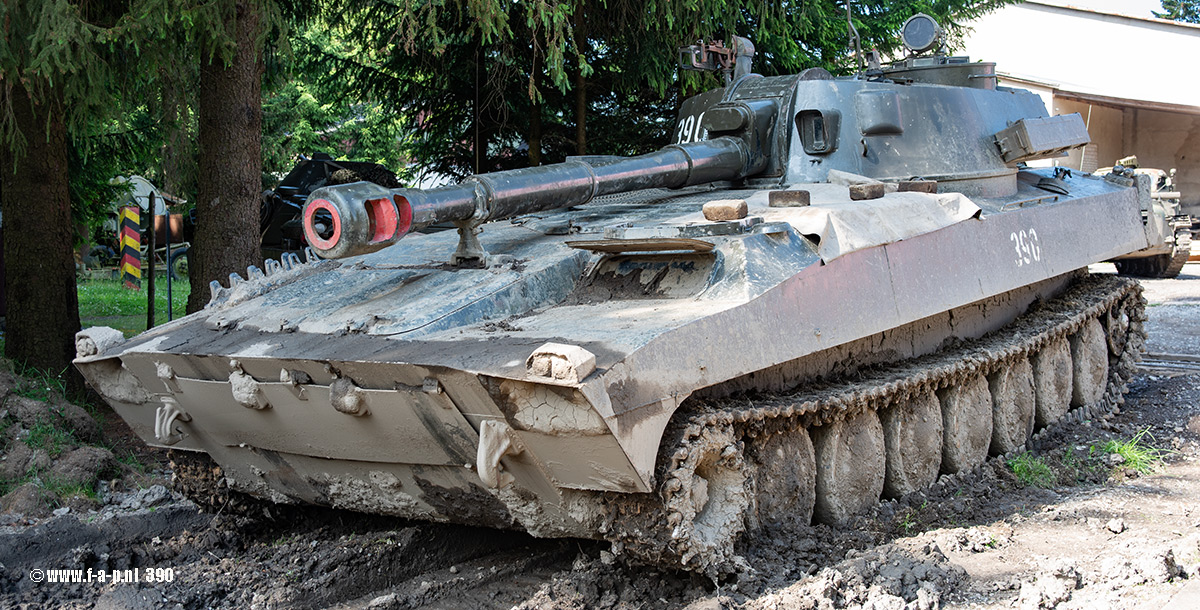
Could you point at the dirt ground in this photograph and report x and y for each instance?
(1083, 529)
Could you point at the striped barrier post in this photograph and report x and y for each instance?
(131, 244)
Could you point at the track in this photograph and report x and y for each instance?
(1161, 265)
(721, 471)
(1180, 254)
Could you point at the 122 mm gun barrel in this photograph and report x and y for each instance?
(360, 218)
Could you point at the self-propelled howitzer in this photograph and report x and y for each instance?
(827, 291)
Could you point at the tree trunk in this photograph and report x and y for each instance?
(580, 112)
(535, 111)
(230, 180)
(175, 120)
(580, 87)
(39, 272)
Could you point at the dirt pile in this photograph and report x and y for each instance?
(53, 457)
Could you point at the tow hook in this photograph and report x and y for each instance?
(496, 440)
(168, 413)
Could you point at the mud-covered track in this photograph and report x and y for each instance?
(711, 491)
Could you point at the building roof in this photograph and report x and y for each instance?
(1117, 8)
(1092, 53)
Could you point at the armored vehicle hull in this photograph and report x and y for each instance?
(667, 368)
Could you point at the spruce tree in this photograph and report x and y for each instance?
(59, 69)
(1180, 10)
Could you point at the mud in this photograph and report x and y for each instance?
(1099, 535)
(1013, 404)
(967, 425)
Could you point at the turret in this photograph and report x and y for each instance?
(929, 116)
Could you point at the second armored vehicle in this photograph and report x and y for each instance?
(1168, 228)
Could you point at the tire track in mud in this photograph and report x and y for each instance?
(303, 558)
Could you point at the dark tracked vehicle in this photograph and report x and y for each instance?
(828, 291)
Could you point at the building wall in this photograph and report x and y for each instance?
(1105, 125)
(1168, 140)
(1163, 140)
(1050, 48)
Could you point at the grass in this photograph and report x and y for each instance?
(1139, 455)
(1031, 471)
(1070, 460)
(65, 490)
(7, 485)
(1076, 468)
(131, 460)
(102, 302)
(107, 302)
(38, 384)
(50, 438)
(909, 521)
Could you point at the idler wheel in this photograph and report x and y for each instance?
(1089, 358)
(1013, 407)
(912, 434)
(786, 478)
(1052, 386)
(967, 424)
(712, 507)
(850, 466)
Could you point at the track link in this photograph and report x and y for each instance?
(710, 492)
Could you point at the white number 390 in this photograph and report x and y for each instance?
(1028, 247)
